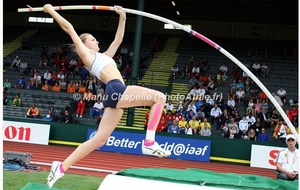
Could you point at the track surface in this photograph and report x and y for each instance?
(118, 161)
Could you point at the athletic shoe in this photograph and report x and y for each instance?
(155, 150)
(55, 173)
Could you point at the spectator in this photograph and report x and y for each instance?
(189, 115)
(274, 118)
(240, 96)
(258, 125)
(194, 125)
(175, 72)
(257, 107)
(17, 101)
(67, 118)
(169, 106)
(256, 68)
(181, 124)
(200, 115)
(240, 84)
(71, 87)
(192, 106)
(33, 112)
(250, 107)
(230, 104)
(60, 76)
(72, 66)
(223, 68)
(124, 53)
(264, 118)
(54, 76)
(232, 124)
(36, 79)
(99, 89)
(235, 72)
(29, 85)
(7, 84)
(21, 82)
(243, 128)
(293, 113)
(232, 133)
(50, 114)
(97, 109)
(205, 131)
(186, 71)
(88, 97)
(46, 86)
(204, 122)
(63, 85)
(82, 89)
(16, 62)
(6, 101)
(204, 65)
(252, 135)
(162, 125)
(211, 84)
(127, 71)
(287, 162)
(263, 97)
(192, 82)
(224, 78)
(265, 69)
(56, 87)
(90, 84)
(263, 136)
(195, 71)
(174, 127)
(80, 108)
(44, 62)
(264, 105)
(278, 99)
(188, 130)
(224, 118)
(47, 76)
(215, 114)
(281, 131)
(282, 94)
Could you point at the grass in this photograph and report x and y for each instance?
(13, 180)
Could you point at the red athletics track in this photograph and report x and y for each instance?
(118, 161)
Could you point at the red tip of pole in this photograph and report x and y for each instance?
(60, 8)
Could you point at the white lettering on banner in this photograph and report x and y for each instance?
(177, 149)
(124, 143)
(26, 132)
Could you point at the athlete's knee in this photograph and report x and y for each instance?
(98, 142)
(160, 98)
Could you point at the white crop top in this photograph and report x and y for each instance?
(101, 60)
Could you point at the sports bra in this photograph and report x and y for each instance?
(100, 61)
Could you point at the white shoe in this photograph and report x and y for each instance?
(55, 173)
(155, 150)
(80, 116)
(76, 115)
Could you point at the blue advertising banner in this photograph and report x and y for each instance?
(181, 148)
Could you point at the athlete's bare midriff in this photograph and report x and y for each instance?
(110, 72)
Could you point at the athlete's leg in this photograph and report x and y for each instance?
(140, 96)
(108, 123)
